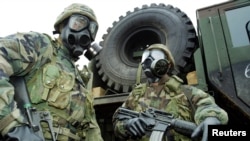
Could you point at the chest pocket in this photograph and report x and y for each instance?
(57, 86)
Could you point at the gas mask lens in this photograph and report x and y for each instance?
(93, 27)
(77, 23)
(157, 54)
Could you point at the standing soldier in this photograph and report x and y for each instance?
(166, 92)
(52, 80)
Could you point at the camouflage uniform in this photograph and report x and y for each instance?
(53, 83)
(170, 95)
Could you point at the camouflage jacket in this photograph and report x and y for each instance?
(53, 83)
(169, 96)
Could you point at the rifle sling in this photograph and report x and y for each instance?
(138, 75)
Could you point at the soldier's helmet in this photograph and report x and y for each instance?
(75, 8)
(167, 52)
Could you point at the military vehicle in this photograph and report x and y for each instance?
(214, 56)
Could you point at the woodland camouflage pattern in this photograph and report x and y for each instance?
(75, 8)
(169, 97)
(53, 82)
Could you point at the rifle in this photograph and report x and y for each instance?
(33, 117)
(159, 122)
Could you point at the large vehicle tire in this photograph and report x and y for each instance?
(117, 63)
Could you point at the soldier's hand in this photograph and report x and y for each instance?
(202, 129)
(136, 127)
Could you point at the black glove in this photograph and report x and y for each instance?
(22, 133)
(202, 129)
(136, 127)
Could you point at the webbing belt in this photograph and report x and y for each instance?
(66, 132)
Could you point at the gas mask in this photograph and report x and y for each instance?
(154, 64)
(78, 34)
